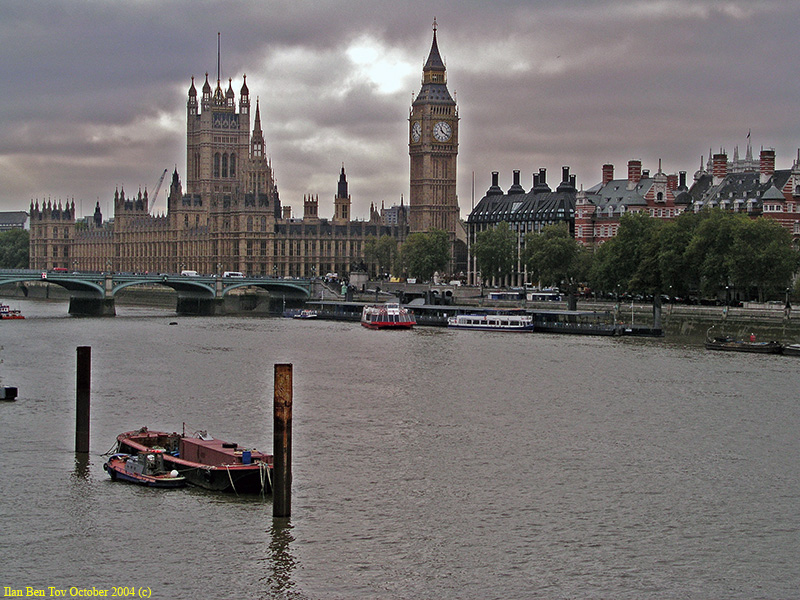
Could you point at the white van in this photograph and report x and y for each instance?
(190, 273)
(233, 274)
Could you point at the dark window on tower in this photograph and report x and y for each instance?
(216, 164)
(224, 165)
(233, 165)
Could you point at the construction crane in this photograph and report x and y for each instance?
(158, 188)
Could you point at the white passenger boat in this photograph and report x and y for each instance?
(387, 316)
(492, 322)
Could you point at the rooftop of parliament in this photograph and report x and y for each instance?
(228, 218)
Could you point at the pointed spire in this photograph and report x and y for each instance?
(434, 61)
(342, 187)
(257, 124)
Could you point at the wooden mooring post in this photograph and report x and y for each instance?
(282, 442)
(83, 386)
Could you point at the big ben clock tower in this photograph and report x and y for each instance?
(433, 148)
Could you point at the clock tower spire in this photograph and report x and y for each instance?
(433, 150)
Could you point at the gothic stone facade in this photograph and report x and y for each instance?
(229, 218)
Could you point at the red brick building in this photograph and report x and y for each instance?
(598, 209)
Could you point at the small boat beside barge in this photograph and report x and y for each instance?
(492, 322)
(387, 316)
(204, 461)
(146, 468)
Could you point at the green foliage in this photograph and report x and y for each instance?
(423, 254)
(710, 247)
(704, 252)
(677, 275)
(761, 255)
(554, 258)
(630, 260)
(495, 252)
(14, 249)
(386, 253)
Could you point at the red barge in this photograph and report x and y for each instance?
(204, 461)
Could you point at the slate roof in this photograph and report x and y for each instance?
(13, 220)
(540, 204)
(434, 93)
(740, 187)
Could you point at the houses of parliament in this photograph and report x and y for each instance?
(229, 217)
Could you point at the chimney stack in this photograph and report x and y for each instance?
(516, 188)
(719, 167)
(634, 173)
(766, 165)
(608, 173)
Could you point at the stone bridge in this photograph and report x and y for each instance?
(93, 294)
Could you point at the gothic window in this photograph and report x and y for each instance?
(216, 164)
(263, 223)
(232, 166)
(249, 224)
(224, 165)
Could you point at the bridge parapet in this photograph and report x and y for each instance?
(88, 289)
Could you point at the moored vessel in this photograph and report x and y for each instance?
(492, 322)
(730, 344)
(791, 349)
(145, 468)
(6, 312)
(387, 316)
(203, 460)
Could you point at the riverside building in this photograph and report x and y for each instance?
(524, 211)
(228, 218)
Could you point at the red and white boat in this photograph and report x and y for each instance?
(146, 468)
(204, 461)
(387, 316)
(6, 312)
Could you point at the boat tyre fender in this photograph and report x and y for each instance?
(207, 475)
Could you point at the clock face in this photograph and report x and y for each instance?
(416, 131)
(442, 131)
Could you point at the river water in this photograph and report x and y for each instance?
(427, 464)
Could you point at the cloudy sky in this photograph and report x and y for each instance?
(94, 91)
